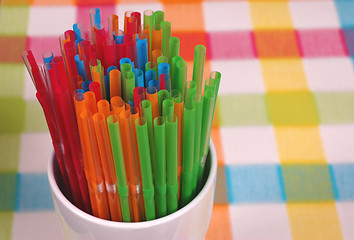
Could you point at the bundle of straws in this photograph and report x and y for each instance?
(130, 133)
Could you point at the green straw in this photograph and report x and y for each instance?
(167, 107)
(125, 67)
(174, 48)
(174, 72)
(190, 92)
(162, 95)
(145, 105)
(188, 152)
(159, 16)
(166, 35)
(160, 183)
(145, 166)
(148, 18)
(198, 67)
(129, 85)
(171, 155)
(197, 137)
(150, 66)
(162, 59)
(208, 111)
(181, 75)
(122, 185)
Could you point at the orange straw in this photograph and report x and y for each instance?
(115, 83)
(97, 76)
(118, 105)
(151, 95)
(95, 165)
(103, 108)
(156, 37)
(90, 101)
(80, 106)
(133, 173)
(156, 53)
(104, 147)
(147, 32)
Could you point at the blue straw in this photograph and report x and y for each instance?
(163, 68)
(149, 75)
(86, 85)
(142, 53)
(139, 77)
(80, 67)
(126, 60)
(154, 83)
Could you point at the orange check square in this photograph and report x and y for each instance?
(185, 17)
(276, 43)
(188, 41)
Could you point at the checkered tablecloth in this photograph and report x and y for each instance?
(284, 124)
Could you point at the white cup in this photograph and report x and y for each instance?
(189, 222)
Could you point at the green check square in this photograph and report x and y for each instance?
(242, 109)
(292, 108)
(13, 20)
(9, 152)
(35, 120)
(335, 107)
(12, 79)
(8, 183)
(307, 182)
(12, 115)
(6, 219)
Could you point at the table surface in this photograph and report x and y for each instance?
(283, 129)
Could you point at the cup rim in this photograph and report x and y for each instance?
(135, 225)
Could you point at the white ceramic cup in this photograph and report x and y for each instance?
(189, 222)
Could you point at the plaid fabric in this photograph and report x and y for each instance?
(284, 124)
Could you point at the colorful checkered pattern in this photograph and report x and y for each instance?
(284, 124)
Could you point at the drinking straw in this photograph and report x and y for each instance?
(171, 155)
(148, 18)
(162, 94)
(65, 106)
(120, 47)
(161, 59)
(137, 16)
(79, 81)
(139, 77)
(105, 151)
(57, 141)
(80, 106)
(188, 151)
(86, 86)
(174, 48)
(165, 81)
(160, 174)
(190, 91)
(109, 53)
(90, 101)
(113, 24)
(122, 184)
(100, 39)
(142, 50)
(163, 68)
(70, 52)
(95, 165)
(145, 165)
(197, 136)
(174, 72)
(115, 83)
(132, 170)
(139, 95)
(155, 54)
(150, 66)
(97, 76)
(215, 79)
(132, 25)
(95, 87)
(208, 109)
(154, 83)
(181, 75)
(198, 67)
(118, 36)
(129, 84)
(104, 108)
(178, 111)
(127, 15)
(130, 48)
(125, 66)
(95, 16)
(84, 51)
(118, 105)
(79, 31)
(80, 66)
(168, 107)
(149, 75)
(159, 16)
(146, 112)
(152, 96)
(156, 35)
(166, 35)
